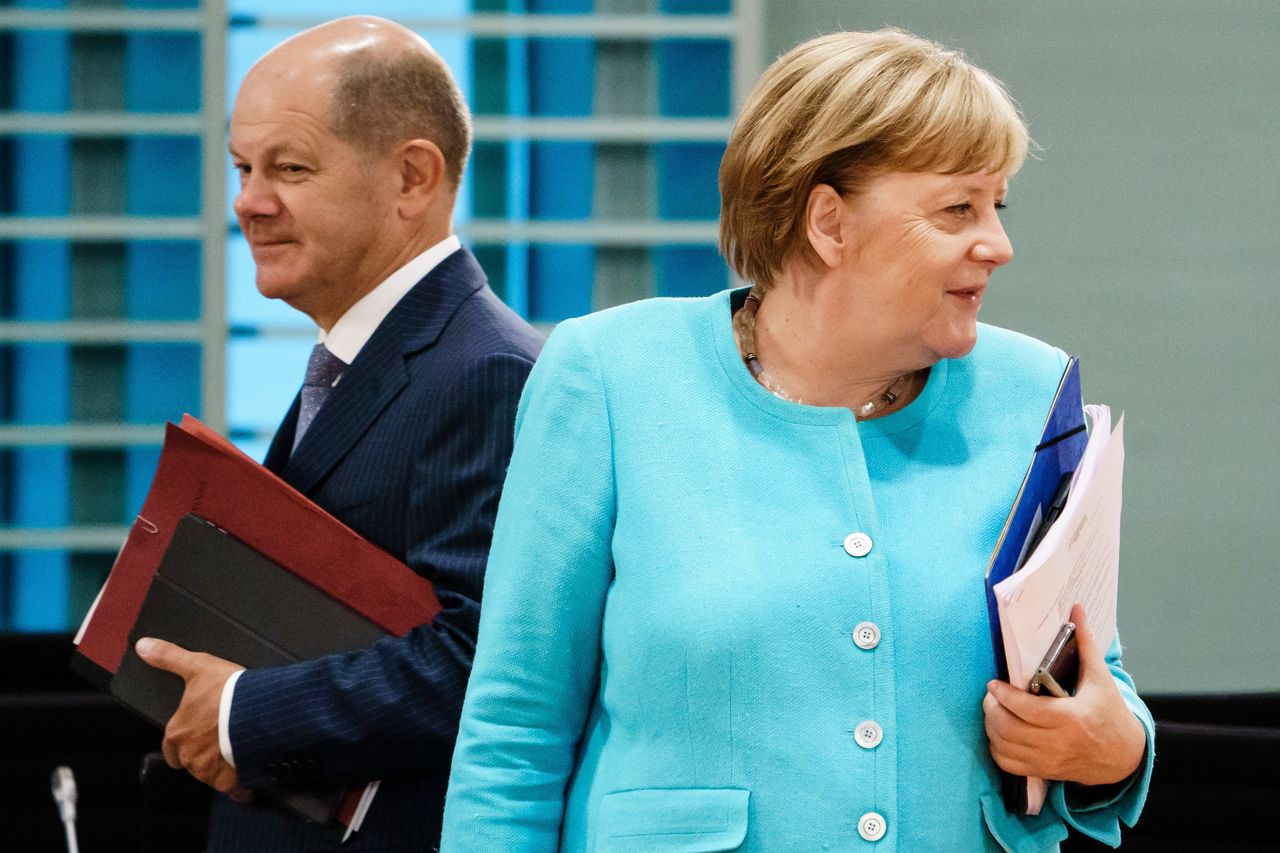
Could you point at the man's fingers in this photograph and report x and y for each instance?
(169, 746)
(243, 796)
(165, 655)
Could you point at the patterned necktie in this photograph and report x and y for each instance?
(323, 370)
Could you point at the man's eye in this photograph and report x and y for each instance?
(292, 168)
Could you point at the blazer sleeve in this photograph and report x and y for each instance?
(538, 659)
(1099, 816)
(392, 709)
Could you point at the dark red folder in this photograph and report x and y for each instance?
(202, 474)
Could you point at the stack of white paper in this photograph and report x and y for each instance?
(1078, 561)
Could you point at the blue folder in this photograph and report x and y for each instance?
(1058, 454)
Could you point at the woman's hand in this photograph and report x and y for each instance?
(1091, 738)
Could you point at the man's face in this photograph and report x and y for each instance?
(318, 214)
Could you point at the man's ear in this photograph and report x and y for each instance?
(421, 174)
(824, 225)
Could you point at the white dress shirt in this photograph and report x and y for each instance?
(345, 340)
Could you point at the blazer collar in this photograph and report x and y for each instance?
(379, 372)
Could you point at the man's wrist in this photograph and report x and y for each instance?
(224, 718)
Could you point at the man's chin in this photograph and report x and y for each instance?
(278, 287)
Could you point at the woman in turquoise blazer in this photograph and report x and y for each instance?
(735, 599)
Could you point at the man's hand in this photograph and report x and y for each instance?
(191, 737)
(1091, 738)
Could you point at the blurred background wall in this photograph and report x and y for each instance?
(1145, 233)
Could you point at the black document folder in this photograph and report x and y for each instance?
(214, 594)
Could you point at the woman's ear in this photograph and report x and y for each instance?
(824, 224)
(421, 176)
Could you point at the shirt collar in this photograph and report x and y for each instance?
(354, 328)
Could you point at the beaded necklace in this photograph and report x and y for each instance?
(744, 330)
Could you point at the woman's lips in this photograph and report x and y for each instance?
(969, 294)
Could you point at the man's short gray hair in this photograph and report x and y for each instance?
(381, 101)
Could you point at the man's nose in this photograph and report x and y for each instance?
(256, 198)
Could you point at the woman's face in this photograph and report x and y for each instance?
(922, 248)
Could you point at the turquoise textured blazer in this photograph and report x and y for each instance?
(666, 656)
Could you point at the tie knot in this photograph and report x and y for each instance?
(323, 368)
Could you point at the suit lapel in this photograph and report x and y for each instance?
(379, 372)
(282, 442)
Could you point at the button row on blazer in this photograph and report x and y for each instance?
(866, 635)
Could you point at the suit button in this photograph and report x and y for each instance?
(857, 544)
(871, 826)
(868, 734)
(866, 635)
(273, 772)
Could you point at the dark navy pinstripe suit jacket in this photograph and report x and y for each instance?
(410, 450)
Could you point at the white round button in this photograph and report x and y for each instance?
(871, 826)
(857, 544)
(868, 734)
(866, 635)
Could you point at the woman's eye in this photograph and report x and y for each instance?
(1001, 206)
(960, 209)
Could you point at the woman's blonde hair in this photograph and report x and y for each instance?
(840, 109)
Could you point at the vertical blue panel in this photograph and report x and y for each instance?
(41, 478)
(162, 72)
(561, 83)
(163, 279)
(139, 467)
(40, 185)
(42, 175)
(263, 376)
(695, 7)
(42, 270)
(163, 4)
(563, 277)
(42, 373)
(164, 175)
(40, 578)
(560, 7)
(687, 174)
(693, 77)
(41, 4)
(689, 271)
(518, 292)
(42, 69)
(162, 381)
(560, 180)
(41, 590)
(560, 76)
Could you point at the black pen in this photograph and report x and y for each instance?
(1051, 515)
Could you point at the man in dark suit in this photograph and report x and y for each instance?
(350, 139)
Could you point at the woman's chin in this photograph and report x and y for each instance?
(957, 343)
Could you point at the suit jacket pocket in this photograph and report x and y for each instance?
(673, 820)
